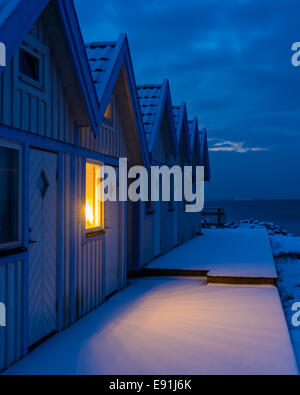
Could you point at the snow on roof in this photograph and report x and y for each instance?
(177, 114)
(100, 56)
(106, 59)
(149, 97)
(193, 128)
(205, 153)
(182, 126)
(202, 138)
(6, 7)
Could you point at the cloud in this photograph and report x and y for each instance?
(231, 146)
(230, 61)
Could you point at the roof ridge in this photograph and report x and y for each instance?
(101, 44)
(149, 86)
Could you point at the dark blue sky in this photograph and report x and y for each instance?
(231, 62)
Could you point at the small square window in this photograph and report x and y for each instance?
(29, 65)
(10, 197)
(94, 209)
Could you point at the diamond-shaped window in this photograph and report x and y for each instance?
(43, 184)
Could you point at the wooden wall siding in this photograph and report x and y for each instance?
(39, 32)
(41, 111)
(66, 231)
(123, 246)
(167, 228)
(89, 293)
(89, 256)
(84, 272)
(11, 294)
(148, 237)
(111, 138)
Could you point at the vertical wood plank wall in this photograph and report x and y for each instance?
(47, 113)
(11, 294)
(111, 139)
(44, 112)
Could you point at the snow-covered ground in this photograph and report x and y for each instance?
(239, 252)
(173, 326)
(286, 251)
(284, 245)
(289, 289)
(165, 326)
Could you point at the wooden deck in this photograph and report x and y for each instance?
(222, 256)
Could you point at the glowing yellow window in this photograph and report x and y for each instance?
(108, 114)
(94, 203)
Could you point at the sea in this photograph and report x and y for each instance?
(285, 213)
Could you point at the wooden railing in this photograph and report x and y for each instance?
(210, 213)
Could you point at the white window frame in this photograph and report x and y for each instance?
(23, 77)
(20, 241)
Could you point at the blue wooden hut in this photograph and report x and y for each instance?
(197, 160)
(205, 154)
(158, 217)
(65, 110)
(183, 229)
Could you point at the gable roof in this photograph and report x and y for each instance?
(182, 125)
(106, 61)
(195, 139)
(6, 7)
(193, 128)
(153, 100)
(205, 154)
(16, 19)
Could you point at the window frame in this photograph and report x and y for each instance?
(25, 78)
(99, 230)
(20, 242)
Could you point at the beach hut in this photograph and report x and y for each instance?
(65, 110)
(158, 217)
(114, 80)
(197, 160)
(183, 230)
(205, 154)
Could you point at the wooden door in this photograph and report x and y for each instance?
(43, 244)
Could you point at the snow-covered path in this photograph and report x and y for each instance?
(242, 252)
(173, 326)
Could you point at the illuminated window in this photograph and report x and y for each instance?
(108, 113)
(94, 203)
